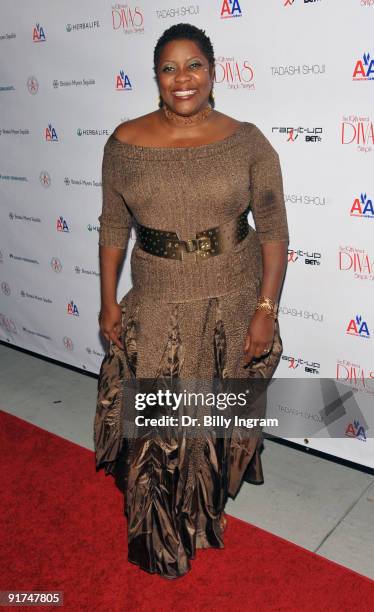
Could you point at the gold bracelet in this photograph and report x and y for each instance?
(269, 305)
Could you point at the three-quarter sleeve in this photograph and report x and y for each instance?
(115, 218)
(266, 191)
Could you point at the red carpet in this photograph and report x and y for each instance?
(63, 529)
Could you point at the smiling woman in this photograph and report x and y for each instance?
(184, 71)
(203, 305)
(191, 79)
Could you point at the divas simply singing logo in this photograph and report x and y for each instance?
(359, 131)
(236, 73)
(128, 19)
(356, 261)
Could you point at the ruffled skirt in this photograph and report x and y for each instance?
(176, 488)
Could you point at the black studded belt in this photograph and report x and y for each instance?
(206, 243)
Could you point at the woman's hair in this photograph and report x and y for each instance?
(183, 31)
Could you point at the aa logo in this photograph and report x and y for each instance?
(122, 81)
(356, 430)
(362, 207)
(50, 133)
(230, 8)
(62, 225)
(38, 34)
(364, 69)
(73, 309)
(358, 327)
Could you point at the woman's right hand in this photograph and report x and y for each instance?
(110, 321)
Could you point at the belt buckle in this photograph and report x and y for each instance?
(201, 244)
(191, 245)
(204, 244)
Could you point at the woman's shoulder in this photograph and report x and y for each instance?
(225, 122)
(128, 131)
(252, 131)
(144, 132)
(258, 140)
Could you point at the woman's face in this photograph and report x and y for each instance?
(184, 76)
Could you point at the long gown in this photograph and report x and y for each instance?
(184, 320)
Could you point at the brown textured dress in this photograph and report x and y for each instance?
(184, 319)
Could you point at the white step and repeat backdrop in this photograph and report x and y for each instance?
(303, 71)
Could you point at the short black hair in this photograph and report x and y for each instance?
(182, 31)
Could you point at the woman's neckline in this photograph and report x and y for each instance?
(203, 148)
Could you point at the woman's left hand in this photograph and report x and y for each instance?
(260, 336)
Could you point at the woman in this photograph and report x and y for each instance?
(203, 301)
